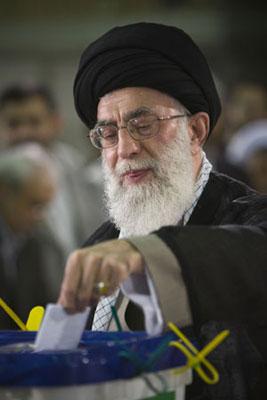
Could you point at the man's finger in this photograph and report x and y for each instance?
(71, 281)
(91, 265)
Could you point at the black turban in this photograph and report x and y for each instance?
(145, 55)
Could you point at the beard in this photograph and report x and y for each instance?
(141, 208)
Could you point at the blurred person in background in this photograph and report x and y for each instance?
(28, 184)
(245, 103)
(257, 169)
(247, 151)
(30, 113)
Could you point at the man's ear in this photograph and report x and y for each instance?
(199, 125)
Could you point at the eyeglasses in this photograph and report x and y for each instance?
(141, 128)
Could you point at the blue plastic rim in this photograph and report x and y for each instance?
(101, 356)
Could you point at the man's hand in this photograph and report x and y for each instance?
(109, 262)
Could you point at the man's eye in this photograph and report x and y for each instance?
(108, 133)
(143, 127)
(143, 122)
(14, 123)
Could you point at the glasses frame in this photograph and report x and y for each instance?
(167, 118)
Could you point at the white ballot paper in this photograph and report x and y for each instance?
(60, 330)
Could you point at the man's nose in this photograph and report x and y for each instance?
(127, 146)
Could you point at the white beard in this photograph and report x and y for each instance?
(139, 209)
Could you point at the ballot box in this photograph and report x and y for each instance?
(106, 365)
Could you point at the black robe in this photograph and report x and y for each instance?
(223, 256)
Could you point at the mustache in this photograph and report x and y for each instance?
(132, 165)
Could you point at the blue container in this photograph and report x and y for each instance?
(101, 356)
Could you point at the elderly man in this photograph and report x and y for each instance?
(192, 243)
(28, 184)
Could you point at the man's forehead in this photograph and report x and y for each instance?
(130, 100)
(131, 114)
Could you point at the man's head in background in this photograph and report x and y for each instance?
(247, 151)
(28, 113)
(147, 95)
(27, 186)
(245, 102)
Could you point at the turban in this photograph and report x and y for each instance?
(145, 55)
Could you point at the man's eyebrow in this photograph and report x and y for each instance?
(102, 122)
(129, 115)
(137, 113)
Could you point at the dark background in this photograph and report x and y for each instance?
(42, 40)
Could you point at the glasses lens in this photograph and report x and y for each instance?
(104, 136)
(143, 127)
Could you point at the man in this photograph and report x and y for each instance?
(245, 104)
(28, 184)
(247, 150)
(28, 112)
(192, 243)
